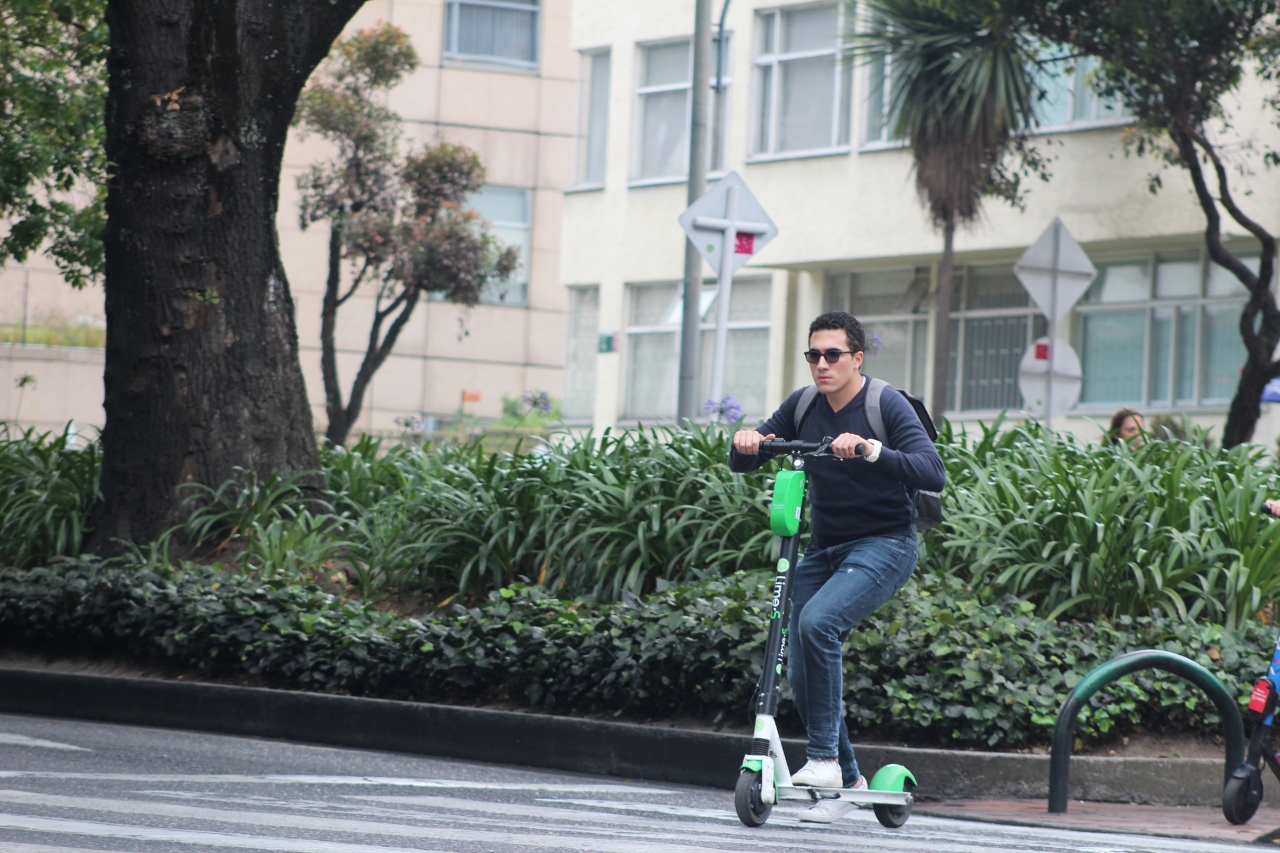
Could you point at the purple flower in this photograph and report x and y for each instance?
(875, 346)
(538, 401)
(726, 410)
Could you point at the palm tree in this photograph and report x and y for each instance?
(963, 93)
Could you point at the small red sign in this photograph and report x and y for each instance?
(1042, 352)
(745, 245)
(1258, 699)
(471, 396)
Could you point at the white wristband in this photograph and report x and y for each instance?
(875, 450)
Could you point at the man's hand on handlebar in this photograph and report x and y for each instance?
(747, 441)
(847, 444)
(1271, 508)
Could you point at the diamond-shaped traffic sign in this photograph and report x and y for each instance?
(1055, 249)
(707, 219)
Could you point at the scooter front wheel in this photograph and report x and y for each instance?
(1242, 796)
(894, 816)
(752, 810)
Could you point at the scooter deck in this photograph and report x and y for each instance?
(888, 798)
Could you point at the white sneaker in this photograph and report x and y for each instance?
(819, 773)
(830, 811)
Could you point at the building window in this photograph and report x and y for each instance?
(880, 125)
(580, 360)
(663, 147)
(653, 347)
(507, 211)
(1161, 332)
(662, 143)
(503, 31)
(892, 307)
(593, 118)
(1070, 97)
(802, 89)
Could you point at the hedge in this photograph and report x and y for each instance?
(936, 665)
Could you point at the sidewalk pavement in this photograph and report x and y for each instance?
(1196, 822)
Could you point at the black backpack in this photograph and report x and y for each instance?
(928, 504)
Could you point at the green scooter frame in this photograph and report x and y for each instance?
(764, 778)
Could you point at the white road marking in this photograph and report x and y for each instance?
(24, 740)
(655, 808)
(192, 836)
(604, 840)
(395, 781)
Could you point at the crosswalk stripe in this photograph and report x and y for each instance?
(24, 740)
(605, 840)
(94, 829)
(568, 788)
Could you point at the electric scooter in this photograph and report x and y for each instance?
(764, 778)
(1242, 793)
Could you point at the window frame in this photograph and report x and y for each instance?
(585, 118)
(453, 17)
(707, 324)
(571, 366)
(526, 261)
(1075, 82)
(640, 91)
(1200, 302)
(772, 58)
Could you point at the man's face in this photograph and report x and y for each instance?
(833, 377)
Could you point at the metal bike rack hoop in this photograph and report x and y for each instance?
(1064, 728)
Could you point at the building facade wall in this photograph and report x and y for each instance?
(520, 118)
(850, 208)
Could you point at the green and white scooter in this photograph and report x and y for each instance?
(764, 778)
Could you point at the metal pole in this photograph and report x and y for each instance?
(723, 293)
(26, 290)
(687, 402)
(1053, 325)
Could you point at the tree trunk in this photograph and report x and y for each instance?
(328, 348)
(379, 347)
(202, 372)
(1260, 319)
(942, 329)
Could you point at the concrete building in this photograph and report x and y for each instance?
(810, 136)
(496, 75)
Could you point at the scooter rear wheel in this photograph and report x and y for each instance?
(752, 810)
(894, 816)
(1242, 796)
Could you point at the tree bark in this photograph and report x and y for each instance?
(202, 372)
(379, 347)
(328, 332)
(1260, 319)
(942, 328)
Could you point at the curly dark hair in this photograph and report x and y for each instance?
(845, 321)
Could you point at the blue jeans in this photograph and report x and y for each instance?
(834, 589)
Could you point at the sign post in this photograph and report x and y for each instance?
(727, 226)
(1056, 272)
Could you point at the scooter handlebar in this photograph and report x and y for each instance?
(780, 446)
(1266, 510)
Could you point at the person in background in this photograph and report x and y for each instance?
(1126, 425)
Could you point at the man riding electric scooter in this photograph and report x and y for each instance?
(863, 545)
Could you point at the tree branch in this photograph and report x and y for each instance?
(368, 263)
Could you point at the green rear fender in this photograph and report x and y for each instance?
(892, 777)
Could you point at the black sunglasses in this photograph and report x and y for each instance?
(832, 355)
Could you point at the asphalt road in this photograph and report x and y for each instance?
(86, 786)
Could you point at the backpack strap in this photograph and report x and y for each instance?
(804, 406)
(874, 419)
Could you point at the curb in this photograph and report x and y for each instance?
(627, 750)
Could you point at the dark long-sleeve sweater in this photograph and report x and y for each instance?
(853, 498)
